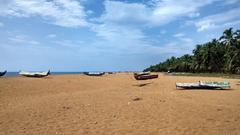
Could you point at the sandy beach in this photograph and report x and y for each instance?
(83, 105)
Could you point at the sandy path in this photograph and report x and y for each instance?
(78, 104)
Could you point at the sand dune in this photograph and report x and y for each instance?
(79, 105)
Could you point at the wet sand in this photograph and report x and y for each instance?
(116, 104)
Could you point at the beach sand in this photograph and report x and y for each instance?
(116, 104)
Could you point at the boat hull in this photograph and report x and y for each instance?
(145, 77)
(3, 73)
(204, 85)
(35, 74)
(94, 74)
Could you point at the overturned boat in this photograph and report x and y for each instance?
(34, 74)
(204, 85)
(3, 73)
(145, 76)
(94, 73)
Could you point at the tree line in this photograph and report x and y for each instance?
(219, 55)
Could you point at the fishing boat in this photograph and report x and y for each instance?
(94, 73)
(110, 72)
(34, 74)
(142, 73)
(204, 85)
(145, 76)
(3, 73)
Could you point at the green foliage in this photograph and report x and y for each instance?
(219, 55)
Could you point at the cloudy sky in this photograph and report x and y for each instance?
(100, 35)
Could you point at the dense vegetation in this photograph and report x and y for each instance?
(219, 55)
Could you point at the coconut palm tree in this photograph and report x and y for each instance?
(228, 37)
(221, 55)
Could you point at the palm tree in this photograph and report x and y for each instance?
(230, 44)
(215, 56)
(228, 37)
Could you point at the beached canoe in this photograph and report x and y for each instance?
(145, 76)
(3, 73)
(94, 73)
(204, 85)
(142, 73)
(34, 74)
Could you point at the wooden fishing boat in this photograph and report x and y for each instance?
(145, 76)
(204, 85)
(34, 74)
(94, 73)
(3, 73)
(142, 73)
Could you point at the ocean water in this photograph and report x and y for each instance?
(12, 74)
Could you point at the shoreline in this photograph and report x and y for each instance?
(222, 75)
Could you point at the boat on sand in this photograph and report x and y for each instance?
(204, 85)
(34, 74)
(145, 76)
(94, 73)
(3, 73)
(142, 73)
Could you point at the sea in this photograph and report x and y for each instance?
(13, 74)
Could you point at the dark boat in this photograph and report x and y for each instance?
(94, 73)
(3, 73)
(34, 74)
(145, 76)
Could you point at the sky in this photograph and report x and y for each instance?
(107, 35)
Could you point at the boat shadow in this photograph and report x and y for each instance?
(197, 89)
(142, 84)
(45, 77)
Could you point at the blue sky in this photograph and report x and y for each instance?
(101, 35)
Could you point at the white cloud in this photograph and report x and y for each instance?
(125, 40)
(23, 39)
(183, 38)
(66, 13)
(120, 26)
(194, 15)
(122, 39)
(69, 43)
(187, 40)
(229, 18)
(51, 36)
(167, 11)
(112, 32)
(179, 35)
(71, 13)
(163, 32)
(1, 24)
(204, 25)
(159, 13)
(121, 12)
